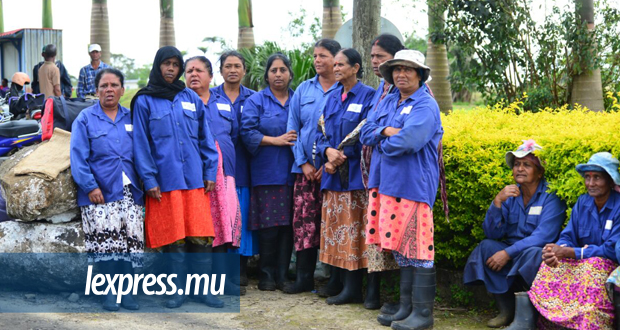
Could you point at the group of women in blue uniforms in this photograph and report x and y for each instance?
(534, 267)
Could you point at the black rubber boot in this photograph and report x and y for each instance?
(176, 259)
(352, 291)
(243, 271)
(109, 301)
(404, 307)
(306, 264)
(506, 305)
(389, 308)
(202, 263)
(373, 289)
(285, 250)
(421, 316)
(268, 248)
(128, 301)
(616, 303)
(231, 286)
(525, 314)
(334, 285)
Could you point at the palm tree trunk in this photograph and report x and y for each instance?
(246, 28)
(1, 18)
(332, 18)
(366, 23)
(47, 14)
(437, 56)
(100, 28)
(166, 23)
(587, 87)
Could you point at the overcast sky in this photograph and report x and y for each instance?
(134, 24)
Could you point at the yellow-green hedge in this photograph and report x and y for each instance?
(475, 143)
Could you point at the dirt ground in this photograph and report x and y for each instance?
(259, 310)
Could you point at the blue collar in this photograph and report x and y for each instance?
(99, 113)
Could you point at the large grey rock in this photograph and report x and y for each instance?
(29, 197)
(49, 256)
(43, 255)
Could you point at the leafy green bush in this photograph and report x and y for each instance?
(256, 59)
(475, 143)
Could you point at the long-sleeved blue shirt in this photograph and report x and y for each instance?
(86, 80)
(173, 146)
(101, 150)
(242, 165)
(523, 226)
(303, 115)
(341, 118)
(600, 230)
(405, 165)
(263, 115)
(223, 123)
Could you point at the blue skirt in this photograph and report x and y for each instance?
(249, 241)
(525, 265)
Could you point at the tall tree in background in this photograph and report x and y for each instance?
(437, 55)
(332, 18)
(47, 14)
(587, 87)
(366, 24)
(1, 18)
(166, 23)
(100, 28)
(246, 27)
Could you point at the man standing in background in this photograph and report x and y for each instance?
(86, 83)
(49, 74)
(65, 80)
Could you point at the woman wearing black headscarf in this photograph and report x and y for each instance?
(176, 159)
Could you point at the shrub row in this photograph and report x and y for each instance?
(475, 143)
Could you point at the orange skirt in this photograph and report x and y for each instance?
(180, 214)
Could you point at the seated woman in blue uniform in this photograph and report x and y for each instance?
(569, 289)
(522, 218)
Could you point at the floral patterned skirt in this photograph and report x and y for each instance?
(343, 229)
(400, 225)
(308, 201)
(114, 230)
(573, 294)
(225, 208)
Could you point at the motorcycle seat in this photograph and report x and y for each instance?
(18, 127)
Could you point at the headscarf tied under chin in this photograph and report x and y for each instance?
(157, 86)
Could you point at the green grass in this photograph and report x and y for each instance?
(466, 106)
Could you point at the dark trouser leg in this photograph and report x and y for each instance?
(202, 264)
(352, 291)
(268, 248)
(284, 251)
(406, 290)
(176, 261)
(243, 270)
(373, 289)
(616, 303)
(421, 316)
(109, 268)
(306, 264)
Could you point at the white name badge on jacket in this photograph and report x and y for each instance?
(535, 210)
(406, 110)
(129, 127)
(223, 107)
(609, 224)
(188, 106)
(357, 108)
